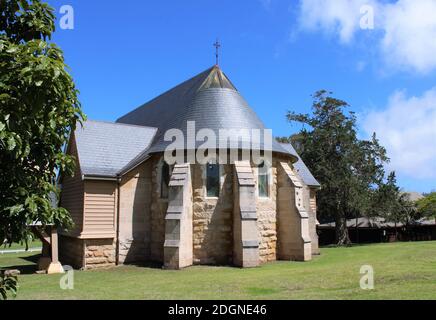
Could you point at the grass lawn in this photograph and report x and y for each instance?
(18, 246)
(402, 271)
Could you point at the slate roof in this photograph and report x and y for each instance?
(209, 99)
(104, 148)
(301, 167)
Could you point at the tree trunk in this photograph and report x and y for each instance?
(342, 237)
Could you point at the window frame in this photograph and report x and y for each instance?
(220, 180)
(268, 174)
(161, 179)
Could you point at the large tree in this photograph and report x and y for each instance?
(38, 109)
(427, 205)
(348, 169)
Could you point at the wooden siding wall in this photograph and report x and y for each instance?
(72, 197)
(100, 209)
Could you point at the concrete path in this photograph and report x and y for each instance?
(20, 250)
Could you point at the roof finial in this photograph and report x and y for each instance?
(217, 46)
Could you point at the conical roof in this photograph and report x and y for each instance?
(210, 99)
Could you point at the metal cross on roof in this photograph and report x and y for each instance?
(217, 45)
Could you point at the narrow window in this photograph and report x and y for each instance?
(165, 180)
(213, 180)
(263, 181)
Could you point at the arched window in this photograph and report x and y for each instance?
(164, 180)
(213, 180)
(263, 180)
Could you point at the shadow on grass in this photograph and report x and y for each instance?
(25, 268)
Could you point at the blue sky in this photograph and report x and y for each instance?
(277, 53)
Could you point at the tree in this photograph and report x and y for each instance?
(427, 205)
(348, 169)
(386, 200)
(39, 108)
(8, 285)
(390, 203)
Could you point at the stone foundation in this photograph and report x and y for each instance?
(71, 252)
(99, 253)
(267, 225)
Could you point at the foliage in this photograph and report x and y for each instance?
(8, 285)
(38, 109)
(388, 201)
(347, 168)
(427, 205)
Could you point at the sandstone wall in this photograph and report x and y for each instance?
(159, 208)
(267, 218)
(99, 253)
(143, 211)
(135, 215)
(87, 254)
(212, 219)
(71, 252)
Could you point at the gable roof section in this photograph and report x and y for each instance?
(209, 99)
(104, 149)
(301, 167)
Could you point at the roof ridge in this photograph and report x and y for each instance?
(120, 124)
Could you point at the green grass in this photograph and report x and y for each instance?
(402, 271)
(18, 246)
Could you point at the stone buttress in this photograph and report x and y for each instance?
(294, 241)
(178, 250)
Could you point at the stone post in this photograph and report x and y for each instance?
(49, 260)
(55, 266)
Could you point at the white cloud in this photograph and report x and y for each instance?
(406, 28)
(340, 17)
(407, 128)
(410, 34)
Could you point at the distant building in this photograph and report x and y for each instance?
(375, 230)
(413, 196)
